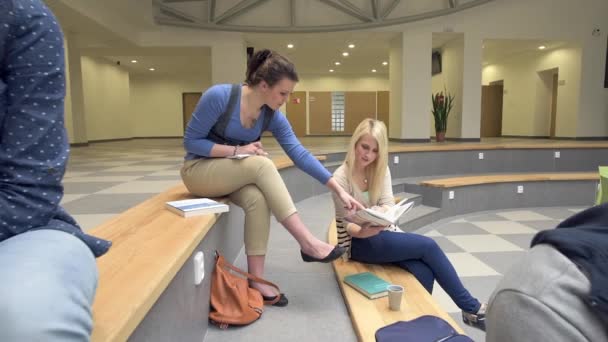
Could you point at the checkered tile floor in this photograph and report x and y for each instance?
(483, 246)
(106, 179)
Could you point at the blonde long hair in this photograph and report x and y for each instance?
(375, 171)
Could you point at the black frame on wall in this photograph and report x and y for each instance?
(606, 70)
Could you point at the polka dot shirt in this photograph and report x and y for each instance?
(33, 145)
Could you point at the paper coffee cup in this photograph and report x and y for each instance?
(395, 295)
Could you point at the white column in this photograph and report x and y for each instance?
(228, 62)
(416, 83)
(471, 87)
(74, 93)
(395, 73)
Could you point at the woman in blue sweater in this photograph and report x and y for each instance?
(229, 120)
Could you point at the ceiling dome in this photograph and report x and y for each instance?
(301, 15)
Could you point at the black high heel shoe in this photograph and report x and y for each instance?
(333, 255)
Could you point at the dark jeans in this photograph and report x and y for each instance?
(421, 256)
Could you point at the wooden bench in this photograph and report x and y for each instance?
(509, 178)
(368, 315)
(149, 246)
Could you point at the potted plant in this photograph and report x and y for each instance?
(442, 105)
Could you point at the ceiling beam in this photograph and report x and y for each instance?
(170, 1)
(292, 12)
(210, 11)
(238, 9)
(172, 12)
(390, 8)
(375, 8)
(353, 12)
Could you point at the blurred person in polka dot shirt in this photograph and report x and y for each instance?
(48, 273)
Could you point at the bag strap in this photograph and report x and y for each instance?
(221, 262)
(219, 129)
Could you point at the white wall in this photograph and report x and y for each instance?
(523, 87)
(309, 82)
(106, 100)
(156, 102)
(450, 79)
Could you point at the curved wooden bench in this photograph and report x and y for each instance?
(368, 315)
(149, 246)
(509, 178)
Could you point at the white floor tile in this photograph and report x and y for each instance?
(523, 215)
(139, 187)
(504, 227)
(88, 221)
(433, 233)
(443, 299)
(102, 179)
(165, 173)
(483, 243)
(467, 265)
(68, 198)
(138, 168)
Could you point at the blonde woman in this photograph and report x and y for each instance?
(366, 176)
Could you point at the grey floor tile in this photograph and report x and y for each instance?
(484, 217)
(521, 240)
(446, 245)
(460, 228)
(86, 187)
(541, 225)
(105, 204)
(481, 287)
(559, 213)
(500, 261)
(119, 173)
(160, 178)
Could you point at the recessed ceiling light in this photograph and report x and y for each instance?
(331, 70)
(385, 63)
(337, 63)
(151, 69)
(134, 61)
(542, 47)
(290, 46)
(373, 70)
(351, 46)
(345, 54)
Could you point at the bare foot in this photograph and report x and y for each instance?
(318, 249)
(266, 290)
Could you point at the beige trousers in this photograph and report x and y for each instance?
(253, 183)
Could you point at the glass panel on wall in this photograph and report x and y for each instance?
(337, 111)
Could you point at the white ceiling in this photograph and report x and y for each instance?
(313, 53)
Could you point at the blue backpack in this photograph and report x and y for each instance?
(422, 329)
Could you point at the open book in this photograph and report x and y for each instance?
(245, 155)
(368, 216)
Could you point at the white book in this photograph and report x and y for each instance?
(196, 206)
(245, 155)
(373, 217)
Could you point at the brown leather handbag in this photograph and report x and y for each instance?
(233, 302)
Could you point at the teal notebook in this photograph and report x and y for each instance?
(368, 284)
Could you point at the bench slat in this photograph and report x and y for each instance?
(509, 178)
(369, 315)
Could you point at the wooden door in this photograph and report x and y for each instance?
(358, 105)
(319, 104)
(296, 112)
(189, 102)
(491, 110)
(383, 108)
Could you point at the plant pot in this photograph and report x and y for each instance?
(440, 136)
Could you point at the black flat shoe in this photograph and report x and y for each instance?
(280, 303)
(333, 255)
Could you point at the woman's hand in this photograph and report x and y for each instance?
(253, 148)
(349, 202)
